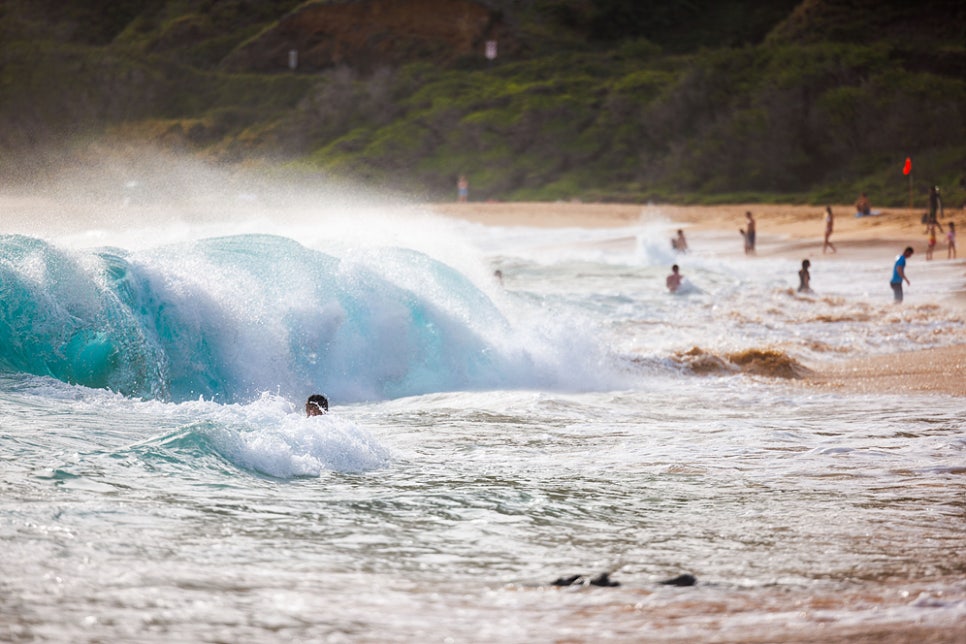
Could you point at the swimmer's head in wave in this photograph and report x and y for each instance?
(316, 405)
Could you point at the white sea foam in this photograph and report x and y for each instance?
(298, 446)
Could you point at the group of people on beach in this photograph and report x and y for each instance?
(931, 219)
(863, 208)
(950, 239)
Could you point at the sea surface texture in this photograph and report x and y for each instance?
(161, 483)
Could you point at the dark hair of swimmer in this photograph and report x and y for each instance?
(316, 405)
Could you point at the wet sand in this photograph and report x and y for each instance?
(794, 232)
(928, 371)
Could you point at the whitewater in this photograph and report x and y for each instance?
(161, 483)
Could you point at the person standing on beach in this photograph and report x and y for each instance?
(951, 238)
(463, 189)
(829, 224)
(899, 273)
(935, 207)
(749, 234)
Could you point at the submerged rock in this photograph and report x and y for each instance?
(603, 579)
(680, 580)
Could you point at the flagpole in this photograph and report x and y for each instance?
(907, 170)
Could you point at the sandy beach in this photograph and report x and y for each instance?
(791, 231)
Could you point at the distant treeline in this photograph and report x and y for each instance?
(817, 121)
(606, 101)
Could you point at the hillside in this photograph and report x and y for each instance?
(706, 100)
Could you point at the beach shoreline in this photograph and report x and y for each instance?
(890, 226)
(791, 231)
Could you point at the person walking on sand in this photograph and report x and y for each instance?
(829, 225)
(899, 273)
(674, 279)
(749, 234)
(804, 278)
(951, 239)
(463, 189)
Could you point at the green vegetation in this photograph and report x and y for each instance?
(705, 101)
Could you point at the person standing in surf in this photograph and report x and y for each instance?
(674, 279)
(804, 278)
(951, 239)
(899, 273)
(931, 245)
(679, 243)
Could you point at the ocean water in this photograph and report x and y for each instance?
(160, 483)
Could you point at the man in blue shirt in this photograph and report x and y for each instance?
(899, 273)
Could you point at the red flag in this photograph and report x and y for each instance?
(907, 168)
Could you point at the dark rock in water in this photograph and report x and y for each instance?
(680, 580)
(567, 581)
(603, 579)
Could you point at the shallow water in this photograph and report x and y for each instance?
(548, 427)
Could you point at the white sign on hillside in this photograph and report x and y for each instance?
(490, 49)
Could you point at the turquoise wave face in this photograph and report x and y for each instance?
(228, 318)
(73, 318)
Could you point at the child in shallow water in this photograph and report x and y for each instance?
(804, 278)
(674, 279)
(932, 241)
